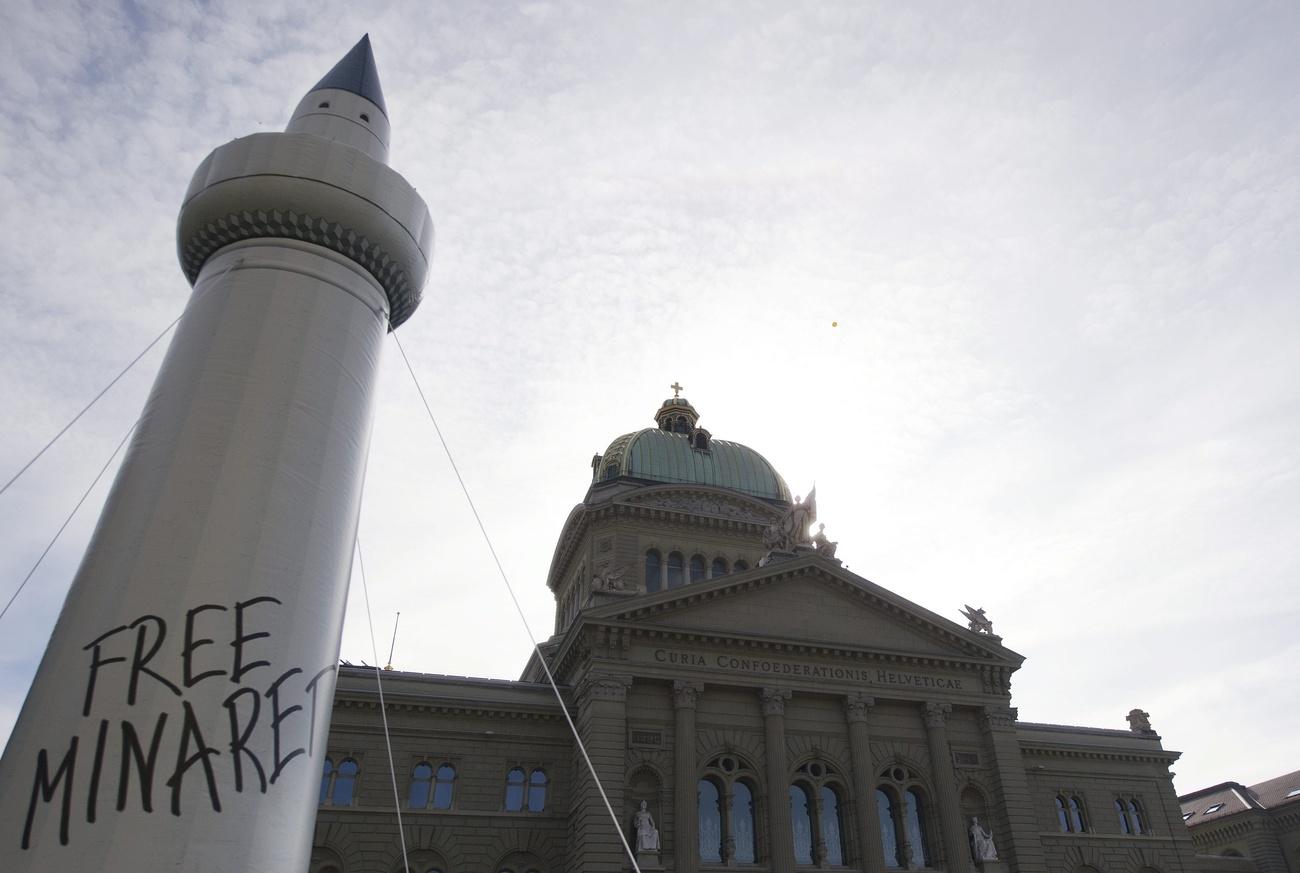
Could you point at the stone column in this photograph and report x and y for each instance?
(955, 849)
(1017, 837)
(780, 840)
(867, 817)
(602, 721)
(686, 848)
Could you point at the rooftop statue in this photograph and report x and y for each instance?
(977, 620)
(791, 529)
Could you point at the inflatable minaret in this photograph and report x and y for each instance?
(178, 718)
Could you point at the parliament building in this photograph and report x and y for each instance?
(749, 705)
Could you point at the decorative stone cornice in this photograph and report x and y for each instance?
(856, 707)
(936, 714)
(686, 694)
(996, 717)
(774, 700)
(604, 686)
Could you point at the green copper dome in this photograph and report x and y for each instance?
(680, 452)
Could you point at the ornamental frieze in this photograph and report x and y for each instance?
(698, 504)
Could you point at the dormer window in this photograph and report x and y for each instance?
(365, 118)
(701, 442)
(325, 104)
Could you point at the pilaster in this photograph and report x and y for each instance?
(1018, 841)
(957, 857)
(602, 722)
(866, 817)
(780, 839)
(686, 838)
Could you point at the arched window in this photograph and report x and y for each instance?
(515, 790)
(719, 568)
(801, 823)
(740, 565)
(327, 770)
(1135, 820)
(1123, 817)
(742, 821)
(653, 565)
(815, 815)
(914, 824)
(680, 425)
(701, 441)
(421, 781)
(537, 791)
(697, 568)
(726, 812)
(444, 787)
(888, 832)
(831, 825)
(676, 569)
(901, 801)
(345, 780)
(1078, 824)
(709, 804)
(1062, 817)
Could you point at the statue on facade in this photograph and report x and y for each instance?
(647, 835)
(977, 620)
(981, 841)
(824, 546)
(791, 529)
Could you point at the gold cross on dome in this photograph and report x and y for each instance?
(677, 389)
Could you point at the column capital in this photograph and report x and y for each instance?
(856, 706)
(936, 714)
(998, 716)
(686, 693)
(774, 700)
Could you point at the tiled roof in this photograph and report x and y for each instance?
(1230, 798)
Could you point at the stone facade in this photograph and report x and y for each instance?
(784, 717)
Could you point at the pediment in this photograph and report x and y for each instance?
(808, 602)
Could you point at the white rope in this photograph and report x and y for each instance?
(66, 521)
(104, 390)
(518, 608)
(383, 711)
(92, 402)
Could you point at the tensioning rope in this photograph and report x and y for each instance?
(383, 711)
(541, 659)
(92, 402)
(66, 521)
(125, 370)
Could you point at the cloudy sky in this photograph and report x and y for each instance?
(1060, 241)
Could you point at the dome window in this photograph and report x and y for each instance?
(680, 425)
(611, 472)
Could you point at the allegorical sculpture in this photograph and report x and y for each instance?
(647, 835)
(823, 543)
(610, 578)
(1139, 722)
(981, 841)
(179, 715)
(791, 529)
(977, 620)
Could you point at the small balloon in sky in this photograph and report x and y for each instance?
(835, 324)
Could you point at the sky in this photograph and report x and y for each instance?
(1014, 284)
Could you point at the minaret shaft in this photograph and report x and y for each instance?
(178, 717)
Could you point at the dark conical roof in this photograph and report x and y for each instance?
(357, 73)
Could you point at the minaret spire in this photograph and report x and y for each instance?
(347, 105)
(356, 73)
